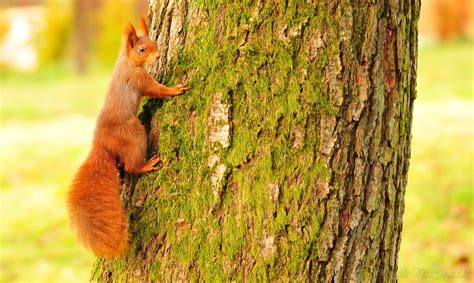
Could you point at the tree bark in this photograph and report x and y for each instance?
(84, 29)
(288, 158)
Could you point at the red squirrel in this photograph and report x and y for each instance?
(93, 201)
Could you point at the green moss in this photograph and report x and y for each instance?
(272, 92)
(233, 233)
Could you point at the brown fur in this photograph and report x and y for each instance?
(94, 203)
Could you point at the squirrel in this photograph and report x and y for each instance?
(93, 201)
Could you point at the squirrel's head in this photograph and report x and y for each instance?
(140, 49)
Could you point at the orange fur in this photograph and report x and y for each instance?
(93, 201)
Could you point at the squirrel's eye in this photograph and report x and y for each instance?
(141, 49)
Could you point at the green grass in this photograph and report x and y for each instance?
(47, 123)
(51, 93)
(439, 213)
(446, 70)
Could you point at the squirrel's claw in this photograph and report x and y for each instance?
(181, 88)
(151, 164)
(154, 160)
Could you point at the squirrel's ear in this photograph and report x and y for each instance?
(143, 26)
(130, 36)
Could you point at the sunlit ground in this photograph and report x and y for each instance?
(438, 230)
(47, 122)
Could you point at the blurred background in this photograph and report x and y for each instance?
(56, 57)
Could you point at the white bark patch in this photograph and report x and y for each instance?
(217, 177)
(286, 34)
(268, 247)
(356, 215)
(218, 123)
(346, 21)
(274, 191)
(358, 176)
(176, 27)
(314, 44)
(374, 187)
(322, 185)
(333, 72)
(299, 136)
(356, 107)
(218, 138)
(328, 139)
(212, 160)
(338, 260)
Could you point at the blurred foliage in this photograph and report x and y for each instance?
(105, 22)
(61, 93)
(446, 19)
(47, 123)
(446, 70)
(439, 210)
(4, 27)
(54, 40)
(452, 18)
(112, 18)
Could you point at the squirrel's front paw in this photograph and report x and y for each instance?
(180, 89)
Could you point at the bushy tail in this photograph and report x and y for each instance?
(94, 206)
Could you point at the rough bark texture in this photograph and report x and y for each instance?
(288, 158)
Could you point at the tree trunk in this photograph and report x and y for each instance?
(288, 158)
(84, 28)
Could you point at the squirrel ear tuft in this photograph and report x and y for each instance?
(143, 26)
(130, 36)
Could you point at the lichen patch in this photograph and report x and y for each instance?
(218, 138)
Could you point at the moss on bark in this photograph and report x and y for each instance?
(287, 159)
